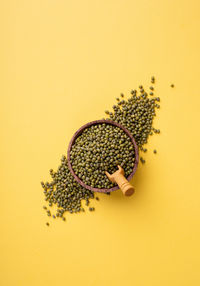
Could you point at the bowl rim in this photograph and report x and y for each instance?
(75, 136)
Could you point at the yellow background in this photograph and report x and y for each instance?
(62, 64)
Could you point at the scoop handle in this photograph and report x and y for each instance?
(126, 188)
(118, 177)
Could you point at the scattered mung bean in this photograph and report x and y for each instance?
(142, 160)
(136, 114)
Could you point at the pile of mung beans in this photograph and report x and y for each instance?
(100, 148)
(89, 153)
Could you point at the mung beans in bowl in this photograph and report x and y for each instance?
(101, 146)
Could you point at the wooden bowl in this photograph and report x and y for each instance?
(78, 133)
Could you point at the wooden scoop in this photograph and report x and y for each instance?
(118, 177)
